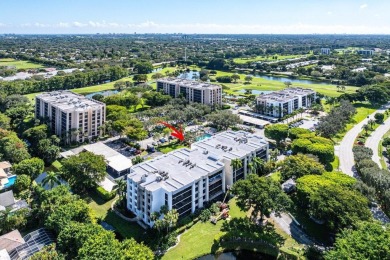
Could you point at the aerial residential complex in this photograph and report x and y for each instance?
(193, 91)
(187, 178)
(284, 102)
(72, 116)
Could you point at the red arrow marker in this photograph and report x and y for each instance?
(178, 133)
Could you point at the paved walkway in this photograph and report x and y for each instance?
(375, 138)
(344, 150)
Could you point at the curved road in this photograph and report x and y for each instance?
(373, 141)
(344, 150)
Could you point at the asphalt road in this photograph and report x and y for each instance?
(373, 141)
(344, 150)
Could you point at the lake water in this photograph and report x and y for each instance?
(293, 81)
(105, 93)
(189, 75)
(257, 92)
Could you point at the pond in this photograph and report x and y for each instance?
(237, 255)
(105, 93)
(157, 69)
(293, 81)
(189, 75)
(257, 92)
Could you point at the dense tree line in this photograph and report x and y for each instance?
(374, 177)
(71, 81)
(336, 120)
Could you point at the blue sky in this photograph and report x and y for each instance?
(201, 16)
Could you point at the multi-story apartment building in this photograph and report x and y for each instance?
(193, 91)
(284, 102)
(187, 178)
(325, 51)
(366, 52)
(72, 117)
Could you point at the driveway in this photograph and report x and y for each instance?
(344, 150)
(374, 139)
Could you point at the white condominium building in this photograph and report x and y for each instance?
(193, 91)
(72, 116)
(325, 51)
(185, 179)
(284, 102)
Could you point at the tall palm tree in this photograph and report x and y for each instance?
(121, 190)
(371, 122)
(251, 167)
(51, 179)
(235, 164)
(259, 164)
(171, 218)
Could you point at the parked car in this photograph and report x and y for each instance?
(163, 140)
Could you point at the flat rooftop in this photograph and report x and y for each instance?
(231, 144)
(286, 94)
(115, 160)
(66, 100)
(189, 83)
(174, 170)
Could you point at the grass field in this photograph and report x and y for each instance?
(265, 58)
(265, 84)
(199, 239)
(20, 64)
(102, 210)
(170, 147)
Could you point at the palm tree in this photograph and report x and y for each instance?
(259, 164)
(155, 215)
(365, 127)
(251, 167)
(51, 179)
(235, 164)
(121, 190)
(171, 218)
(371, 122)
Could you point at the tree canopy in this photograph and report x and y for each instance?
(299, 165)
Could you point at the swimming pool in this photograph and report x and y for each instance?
(202, 137)
(11, 181)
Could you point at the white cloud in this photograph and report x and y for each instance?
(153, 27)
(363, 6)
(329, 13)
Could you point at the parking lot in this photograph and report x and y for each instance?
(306, 123)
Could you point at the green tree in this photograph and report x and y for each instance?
(137, 160)
(261, 194)
(143, 67)
(84, 170)
(23, 182)
(299, 165)
(379, 117)
(339, 207)
(77, 210)
(277, 132)
(47, 253)
(235, 77)
(235, 164)
(51, 179)
(32, 167)
(223, 119)
(140, 78)
(248, 78)
(258, 164)
(157, 76)
(119, 85)
(370, 240)
(12, 220)
(365, 127)
(5, 121)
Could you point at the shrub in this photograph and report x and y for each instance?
(105, 195)
(225, 106)
(386, 141)
(22, 183)
(224, 79)
(379, 117)
(296, 132)
(205, 215)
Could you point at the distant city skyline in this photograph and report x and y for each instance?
(174, 16)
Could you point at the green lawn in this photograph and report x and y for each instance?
(103, 211)
(20, 64)
(170, 147)
(199, 239)
(265, 58)
(265, 84)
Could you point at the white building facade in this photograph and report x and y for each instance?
(72, 116)
(325, 51)
(187, 178)
(284, 102)
(193, 91)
